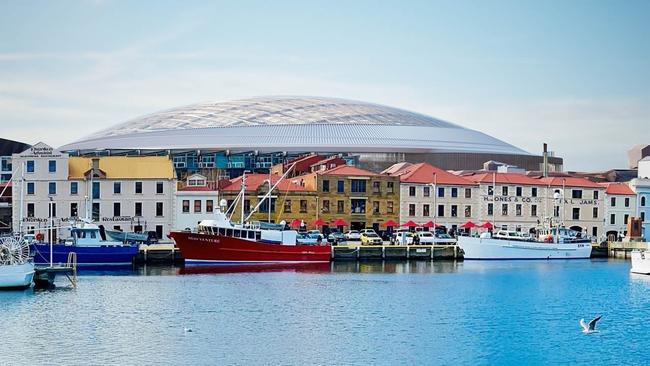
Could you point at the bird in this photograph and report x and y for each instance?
(188, 330)
(591, 327)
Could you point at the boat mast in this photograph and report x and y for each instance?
(268, 194)
(243, 192)
(22, 198)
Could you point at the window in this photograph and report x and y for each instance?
(186, 206)
(441, 191)
(357, 185)
(303, 206)
(425, 210)
(376, 187)
(159, 231)
(627, 202)
(138, 187)
(52, 188)
(612, 202)
(74, 209)
(504, 191)
(595, 212)
(642, 216)
(533, 192)
(411, 191)
(594, 231)
(358, 206)
(326, 185)
(411, 209)
(51, 166)
(490, 209)
(454, 192)
(490, 191)
(340, 206)
(426, 191)
(326, 206)
(247, 206)
(518, 209)
(468, 211)
(576, 213)
(468, 193)
(30, 166)
(159, 188)
(209, 206)
(441, 210)
(375, 207)
(625, 218)
(74, 188)
(117, 209)
(389, 207)
(197, 206)
(30, 188)
(52, 209)
(30, 210)
(137, 228)
(454, 211)
(612, 219)
(264, 207)
(533, 210)
(287, 206)
(519, 191)
(138, 209)
(576, 193)
(642, 201)
(504, 209)
(390, 186)
(159, 209)
(595, 195)
(556, 211)
(95, 212)
(340, 186)
(95, 190)
(117, 187)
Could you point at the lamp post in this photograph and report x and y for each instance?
(49, 231)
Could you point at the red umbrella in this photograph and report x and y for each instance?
(295, 223)
(390, 223)
(429, 224)
(319, 222)
(468, 225)
(410, 223)
(339, 222)
(486, 225)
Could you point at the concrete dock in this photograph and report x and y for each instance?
(378, 252)
(159, 254)
(623, 250)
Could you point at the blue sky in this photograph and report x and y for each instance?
(575, 74)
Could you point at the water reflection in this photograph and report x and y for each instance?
(395, 267)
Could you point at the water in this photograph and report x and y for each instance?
(352, 314)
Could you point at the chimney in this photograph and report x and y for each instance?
(545, 166)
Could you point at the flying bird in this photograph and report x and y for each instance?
(591, 327)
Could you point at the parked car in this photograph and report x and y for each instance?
(367, 231)
(315, 232)
(335, 237)
(402, 238)
(306, 239)
(425, 237)
(370, 238)
(442, 238)
(352, 235)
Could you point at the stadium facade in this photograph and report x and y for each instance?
(257, 133)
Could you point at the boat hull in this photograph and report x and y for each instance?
(99, 255)
(205, 248)
(640, 262)
(16, 276)
(498, 249)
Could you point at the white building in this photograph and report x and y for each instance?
(118, 192)
(195, 201)
(641, 186)
(620, 205)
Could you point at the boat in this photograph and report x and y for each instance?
(220, 241)
(564, 245)
(125, 236)
(640, 262)
(16, 266)
(87, 242)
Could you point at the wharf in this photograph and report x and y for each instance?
(623, 250)
(379, 252)
(159, 254)
(44, 276)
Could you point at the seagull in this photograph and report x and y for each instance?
(591, 327)
(188, 330)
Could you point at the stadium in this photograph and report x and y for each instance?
(256, 133)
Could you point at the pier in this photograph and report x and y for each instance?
(379, 252)
(44, 276)
(624, 250)
(159, 254)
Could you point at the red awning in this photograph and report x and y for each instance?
(486, 225)
(410, 223)
(295, 223)
(468, 225)
(319, 222)
(430, 224)
(339, 222)
(390, 223)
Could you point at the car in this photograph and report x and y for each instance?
(367, 231)
(335, 237)
(306, 239)
(315, 232)
(352, 235)
(370, 238)
(402, 238)
(442, 238)
(425, 237)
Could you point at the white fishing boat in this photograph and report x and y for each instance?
(640, 262)
(507, 246)
(16, 266)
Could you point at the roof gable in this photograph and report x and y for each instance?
(426, 173)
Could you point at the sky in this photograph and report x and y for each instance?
(574, 74)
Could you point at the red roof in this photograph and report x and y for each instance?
(617, 188)
(349, 170)
(197, 189)
(502, 178)
(569, 182)
(424, 173)
(254, 181)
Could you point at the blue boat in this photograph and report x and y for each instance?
(91, 249)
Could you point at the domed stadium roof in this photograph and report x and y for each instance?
(272, 124)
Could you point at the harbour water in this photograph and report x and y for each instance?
(352, 313)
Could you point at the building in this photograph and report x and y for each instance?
(641, 186)
(637, 153)
(257, 133)
(620, 204)
(361, 198)
(7, 149)
(118, 192)
(428, 193)
(196, 200)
